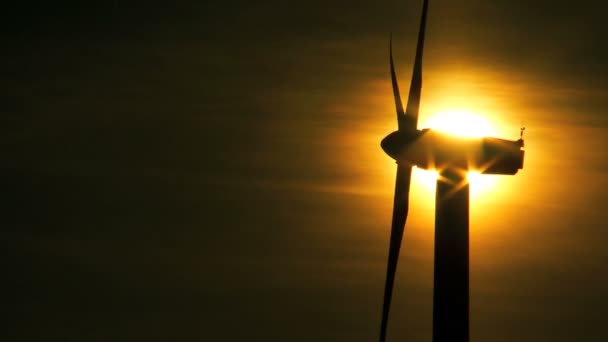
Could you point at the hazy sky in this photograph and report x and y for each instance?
(212, 171)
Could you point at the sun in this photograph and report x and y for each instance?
(459, 122)
(463, 123)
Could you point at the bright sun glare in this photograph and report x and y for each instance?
(461, 123)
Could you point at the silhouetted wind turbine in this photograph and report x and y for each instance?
(452, 157)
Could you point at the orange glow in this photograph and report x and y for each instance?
(468, 102)
(501, 101)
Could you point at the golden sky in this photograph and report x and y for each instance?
(213, 171)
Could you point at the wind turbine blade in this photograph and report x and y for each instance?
(400, 208)
(398, 104)
(413, 101)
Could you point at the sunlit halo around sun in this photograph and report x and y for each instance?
(461, 123)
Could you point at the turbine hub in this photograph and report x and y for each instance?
(394, 143)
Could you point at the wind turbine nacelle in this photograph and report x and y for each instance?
(428, 149)
(501, 156)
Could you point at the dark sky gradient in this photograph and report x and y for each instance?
(212, 171)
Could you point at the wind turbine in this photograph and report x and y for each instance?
(452, 157)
